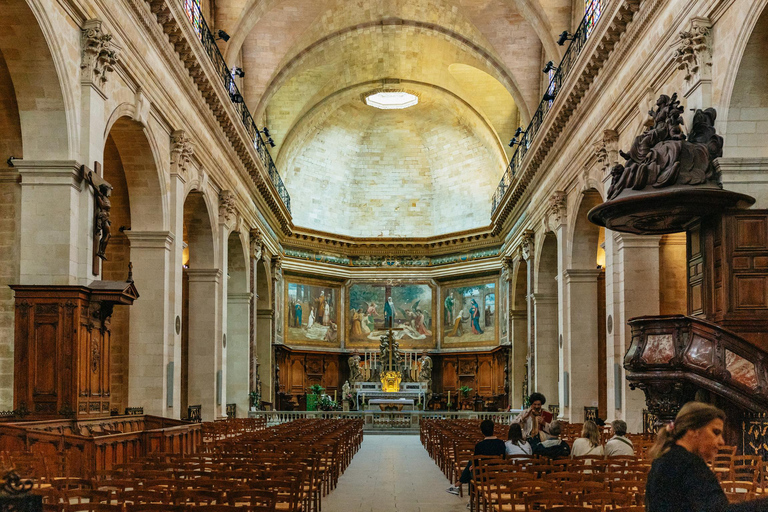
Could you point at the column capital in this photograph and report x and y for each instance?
(630, 240)
(544, 298)
(526, 245)
(150, 239)
(50, 173)
(581, 275)
(200, 275)
(239, 298)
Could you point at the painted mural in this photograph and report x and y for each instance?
(407, 308)
(470, 313)
(312, 313)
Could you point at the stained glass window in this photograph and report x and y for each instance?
(193, 10)
(592, 9)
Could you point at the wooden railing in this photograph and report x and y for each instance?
(88, 447)
(405, 419)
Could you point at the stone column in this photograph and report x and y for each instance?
(204, 340)
(557, 223)
(526, 253)
(638, 295)
(53, 212)
(518, 356)
(150, 334)
(182, 150)
(238, 351)
(581, 288)
(545, 350)
(264, 332)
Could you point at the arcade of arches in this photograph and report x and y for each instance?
(264, 261)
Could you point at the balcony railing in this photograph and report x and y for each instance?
(196, 18)
(563, 70)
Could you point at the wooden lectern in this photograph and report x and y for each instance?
(62, 348)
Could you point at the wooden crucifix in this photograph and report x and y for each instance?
(102, 225)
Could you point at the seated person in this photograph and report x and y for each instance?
(515, 444)
(589, 442)
(552, 448)
(491, 445)
(619, 445)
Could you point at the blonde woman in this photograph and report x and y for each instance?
(589, 442)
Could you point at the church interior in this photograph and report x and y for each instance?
(290, 254)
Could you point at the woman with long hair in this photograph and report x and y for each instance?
(515, 443)
(589, 442)
(680, 480)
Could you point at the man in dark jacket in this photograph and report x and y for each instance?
(553, 448)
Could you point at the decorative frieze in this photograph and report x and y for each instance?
(99, 54)
(526, 244)
(182, 149)
(257, 244)
(227, 209)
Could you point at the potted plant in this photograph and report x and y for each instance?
(465, 390)
(315, 391)
(255, 400)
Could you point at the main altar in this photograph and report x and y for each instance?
(390, 378)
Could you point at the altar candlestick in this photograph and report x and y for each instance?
(334, 395)
(449, 398)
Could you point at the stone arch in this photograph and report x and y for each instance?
(546, 346)
(747, 112)
(47, 132)
(265, 327)
(497, 68)
(751, 19)
(142, 174)
(238, 326)
(519, 334)
(202, 334)
(585, 346)
(584, 234)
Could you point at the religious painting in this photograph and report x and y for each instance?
(470, 313)
(312, 313)
(407, 308)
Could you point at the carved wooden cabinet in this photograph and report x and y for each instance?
(62, 348)
(728, 273)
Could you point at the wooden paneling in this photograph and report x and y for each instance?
(300, 369)
(732, 289)
(482, 371)
(62, 348)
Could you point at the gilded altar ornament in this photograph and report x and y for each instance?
(390, 381)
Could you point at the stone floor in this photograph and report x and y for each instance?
(393, 473)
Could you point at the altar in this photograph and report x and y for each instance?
(390, 404)
(390, 379)
(368, 392)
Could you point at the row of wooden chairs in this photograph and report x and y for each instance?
(287, 468)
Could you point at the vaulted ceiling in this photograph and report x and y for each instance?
(474, 64)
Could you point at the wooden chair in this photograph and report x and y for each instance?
(604, 500)
(545, 500)
(261, 501)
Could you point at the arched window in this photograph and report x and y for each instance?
(592, 10)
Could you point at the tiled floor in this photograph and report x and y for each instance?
(393, 473)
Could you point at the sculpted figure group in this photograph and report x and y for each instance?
(663, 156)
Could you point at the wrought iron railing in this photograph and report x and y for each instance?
(525, 140)
(208, 41)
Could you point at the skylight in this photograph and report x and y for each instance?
(391, 100)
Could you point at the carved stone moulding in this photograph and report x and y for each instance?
(666, 211)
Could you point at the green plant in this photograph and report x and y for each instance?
(464, 390)
(316, 389)
(326, 404)
(255, 398)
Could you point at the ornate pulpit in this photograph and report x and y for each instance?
(62, 348)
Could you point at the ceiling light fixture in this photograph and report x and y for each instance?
(390, 100)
